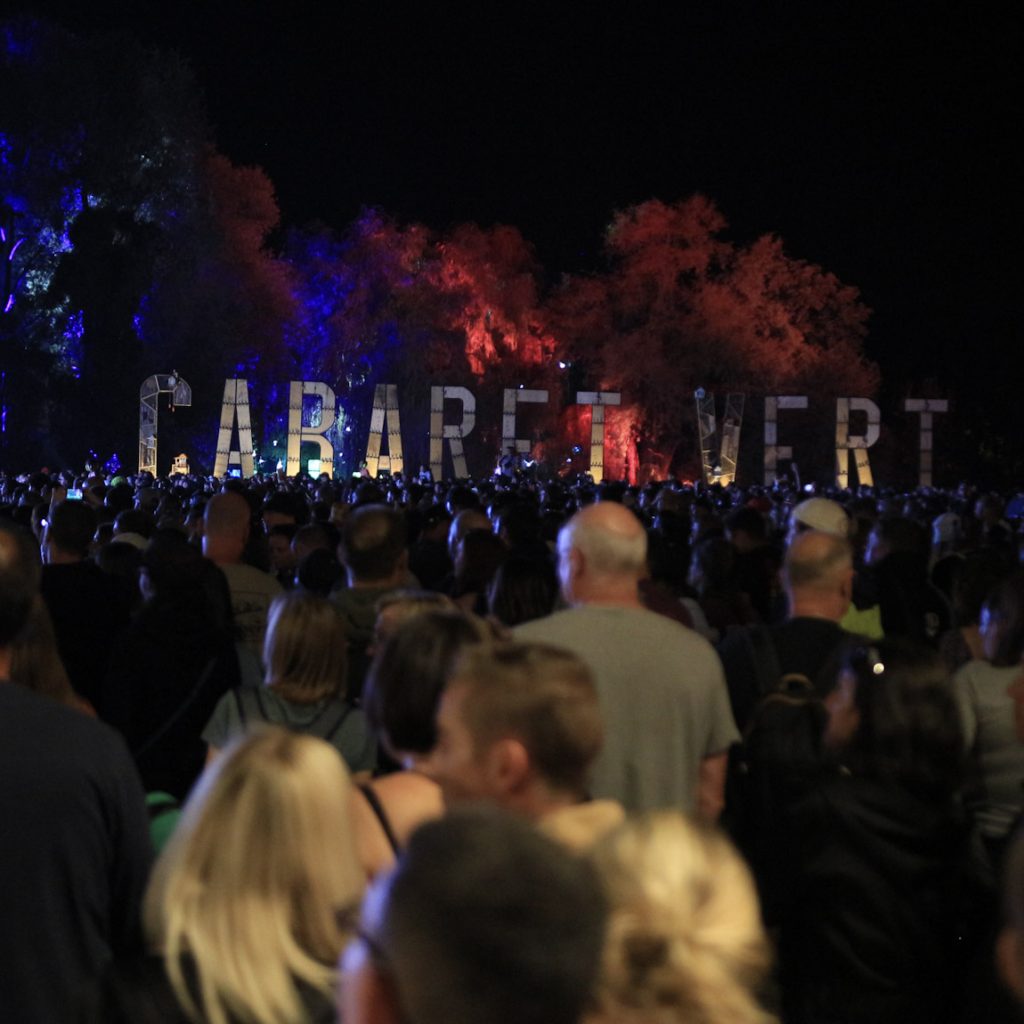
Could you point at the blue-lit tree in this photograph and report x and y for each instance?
(135, 247)
(400, 304)
(99, 185)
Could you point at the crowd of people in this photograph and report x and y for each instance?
(288, 750)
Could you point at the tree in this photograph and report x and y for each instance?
(219, 300)
(681, 308)
(96, 173)
(384, 303)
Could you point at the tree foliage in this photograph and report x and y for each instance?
(97, 175)
(130, 246)
(679, 308)
(384, 303)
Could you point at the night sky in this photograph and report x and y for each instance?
(878, 144)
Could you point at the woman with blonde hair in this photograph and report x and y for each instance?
(306, 663)
(685, 940)
(241, 912)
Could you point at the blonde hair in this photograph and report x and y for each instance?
(685, 940)
(305, 649)
(250, 883)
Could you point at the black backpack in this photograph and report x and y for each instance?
(780, 755)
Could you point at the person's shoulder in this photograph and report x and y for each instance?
(654, 628)
(409, 799)
(56, 730)
(538, 628)
(244, 575)
(612, 619)
(83, 578)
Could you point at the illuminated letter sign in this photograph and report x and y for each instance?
(858, 444)
(773, 451)
(385, 412)
(722, 468)
(926, 407)
(512, 398)
(597, 399)
(297, 433)
(234, 408)
(452, 432)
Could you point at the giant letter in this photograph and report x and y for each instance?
(297, 433)
(452, 432)
(597, 399)
(723, 467)
(858, 444)
(773, 451)
(149, 395)
(235, 407)
(512, 398)
(926, 407)
(385, 411)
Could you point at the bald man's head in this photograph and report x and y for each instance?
(226, 524)
(610, 538)
(818, 574)
(602, 554)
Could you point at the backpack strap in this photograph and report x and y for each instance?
(179, 712)
(243, 704)
(327, 725)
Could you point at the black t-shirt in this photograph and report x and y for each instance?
(89, 609)
(74, 854)
(806, 646)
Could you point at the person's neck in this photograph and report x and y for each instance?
(612, 594)
(58, 557)
(540, 800)
(222, 554)
(817, 607)
(388, 582)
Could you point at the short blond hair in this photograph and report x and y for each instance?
(305, 649)
(249, 885)
(685, 940)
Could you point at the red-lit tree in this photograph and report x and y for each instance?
(682, 308)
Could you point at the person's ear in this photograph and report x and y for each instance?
(508, 766)
(574, 562)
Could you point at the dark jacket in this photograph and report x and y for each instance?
(883, 891)
(169, 671)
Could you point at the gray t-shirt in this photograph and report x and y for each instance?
(252, 591)
(663, 699)
(340, 724)
(987, 714)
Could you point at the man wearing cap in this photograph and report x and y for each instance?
(864, 616)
